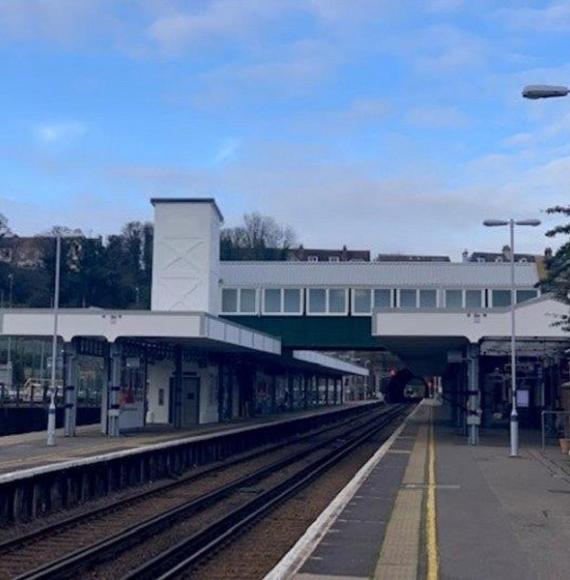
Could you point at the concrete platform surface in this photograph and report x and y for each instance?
(19, 453)
(433, 507)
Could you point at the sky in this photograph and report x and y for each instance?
(393, 125)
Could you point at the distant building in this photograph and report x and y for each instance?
(302, 254)
(503, 256)
(30, 252)
(410, 258)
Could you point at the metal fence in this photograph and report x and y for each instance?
(554, 424)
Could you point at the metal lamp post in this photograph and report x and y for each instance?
(51, 411)
(9, 355)
(514, 423)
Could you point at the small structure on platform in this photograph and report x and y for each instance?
(179, 364)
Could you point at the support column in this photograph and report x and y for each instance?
(273, 393)
(71, 383)
(473, 404)
(291, 387)
(114, 411)
(342, 390)
(177, 391)
(335, 386)
(306, 382)
(221, 371)
(327, 388)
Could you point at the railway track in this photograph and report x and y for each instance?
(208, 507)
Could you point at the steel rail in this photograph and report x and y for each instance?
(173, 562)
(197, 473)
(80, 559)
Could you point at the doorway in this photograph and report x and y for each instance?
(190, 401)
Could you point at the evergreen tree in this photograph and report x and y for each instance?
(558, 280)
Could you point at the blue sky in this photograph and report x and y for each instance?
(382, 124)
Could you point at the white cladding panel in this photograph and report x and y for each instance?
(533, 318)
(186, 247)
(375, 274)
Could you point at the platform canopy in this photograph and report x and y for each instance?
(425, 336)
(329, 363)
(186, 328)
(190, 330)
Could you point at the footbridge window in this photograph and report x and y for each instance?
(239, 301)
(282, 301)
(412, 298)
(524, 295)
(364, 299)
(455, 298)
(473, 298)
(327, 301)
(501, 298)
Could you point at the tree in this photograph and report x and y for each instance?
(558, 280)
(4, 228)
(259, 238)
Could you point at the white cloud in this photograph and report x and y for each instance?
(554, 17)
(218, 20)
(59, 21)
(518, 140)
(59, 132)
(227, 150)
(444, 49)
(444, 5)
(437, 117)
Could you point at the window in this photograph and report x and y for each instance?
(524, 295)
(282, 301)
(272, 301)
(337, 301)
(382, 298)
(292, 301)
(312, 259)
(501, 298)
(428, 298)
(408, 298)
(327, 301)
(473, 299)
(247, 301)
(5, 254)
(498, 259)
(229, 300)
(454, 298)
(317, 300)
(334, 259)
(362, 302)
(239, 301)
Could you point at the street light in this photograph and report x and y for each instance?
(544, 91)
(514, 415)
(51, 411)
(9, 356)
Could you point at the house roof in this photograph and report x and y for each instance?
(390, 274)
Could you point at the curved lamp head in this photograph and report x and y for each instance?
(533, 223)
(544, 91)
(495, 223)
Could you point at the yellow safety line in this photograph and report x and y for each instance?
(431, 518)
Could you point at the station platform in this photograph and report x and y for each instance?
(28, 453)
(427, 505)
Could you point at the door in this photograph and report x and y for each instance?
(190, 401)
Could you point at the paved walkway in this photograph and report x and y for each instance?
(430, 506)
(501, 517)
(28, 451)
